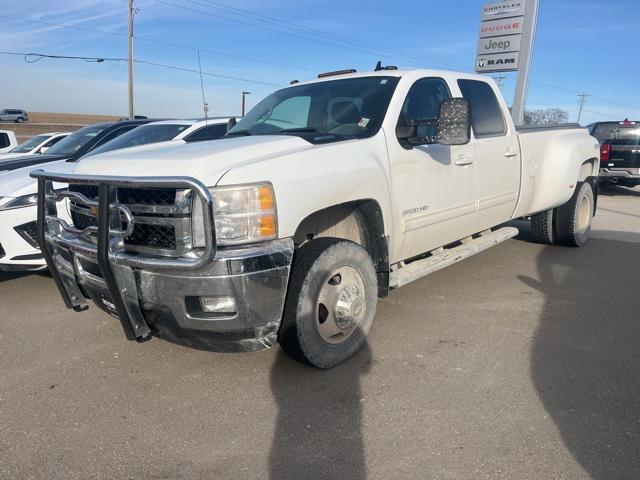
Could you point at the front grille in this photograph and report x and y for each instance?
(162, 237)
(147, 196)
(83, 220)
(29, 232)
(132, 196)
(162, 222)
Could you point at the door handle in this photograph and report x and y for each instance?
(510, 152)
(463, 160)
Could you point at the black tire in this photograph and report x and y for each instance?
(313, 266)
(20, 120)
(574, 218)
(542, 227)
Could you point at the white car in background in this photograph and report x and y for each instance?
(18, 191)
(7, 141)
(184, 131)
(35, 145)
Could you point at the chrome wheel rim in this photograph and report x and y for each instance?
(584, 215)
(341, 305)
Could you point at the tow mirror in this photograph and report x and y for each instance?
(452, 127)
(454, 122)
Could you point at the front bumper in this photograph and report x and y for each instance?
(154, 296)
(255, 277)
(18, 250)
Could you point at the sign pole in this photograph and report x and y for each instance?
(526, 53)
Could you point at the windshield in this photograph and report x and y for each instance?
(141, 136)
(74, 142)
(30, 144)
(322, 112)
(618, 134)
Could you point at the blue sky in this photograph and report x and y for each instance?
(582, 46)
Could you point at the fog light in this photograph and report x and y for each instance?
(218, 304)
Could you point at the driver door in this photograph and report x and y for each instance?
(434, 186)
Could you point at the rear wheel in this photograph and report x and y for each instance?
(574, 218)
(331, 302)
(542, 227)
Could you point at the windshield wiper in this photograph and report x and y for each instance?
(298, 130)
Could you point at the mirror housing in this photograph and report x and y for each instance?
(43, 149)
(453, 125)
(454, 122)
(231, 123)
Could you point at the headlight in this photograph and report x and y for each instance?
(243, 214)
(7, 203)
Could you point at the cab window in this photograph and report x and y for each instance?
(486, 114)
(423, 103)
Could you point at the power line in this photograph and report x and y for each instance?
(286, 24)
(161, 42)
(209, 74)
(36, 57)
(145, 62)
(295, 35)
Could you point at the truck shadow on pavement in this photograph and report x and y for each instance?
(585, 362)
(318, 431)
(618, 191)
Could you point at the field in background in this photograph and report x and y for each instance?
(42, 122)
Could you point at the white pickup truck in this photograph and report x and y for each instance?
(324, 197)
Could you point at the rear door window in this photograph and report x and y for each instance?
(486, 114)
(4, 140)
(617, 134)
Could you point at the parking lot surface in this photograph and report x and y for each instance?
(521, 362)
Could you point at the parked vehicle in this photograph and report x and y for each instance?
(13, 115)
(182, 131)
(8, 141)
(75, 145)
(20, 246)
(326, 195)
(619, 151)
(18, 192)
(35, 145)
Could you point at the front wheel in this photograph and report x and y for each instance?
(574, 218)
(331, 302)
(19, 120)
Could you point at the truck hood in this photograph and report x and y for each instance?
(28, 160)
(18, 182)
(206, 161)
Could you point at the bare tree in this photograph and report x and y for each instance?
(549, 116)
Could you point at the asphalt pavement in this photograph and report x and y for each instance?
(519, 363)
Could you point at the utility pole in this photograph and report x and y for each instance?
(243, 100)
(499, 79)
(583, 98)
(130, 58)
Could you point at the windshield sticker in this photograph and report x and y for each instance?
(364, 122)
(383, 81)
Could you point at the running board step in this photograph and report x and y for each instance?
(442, 258)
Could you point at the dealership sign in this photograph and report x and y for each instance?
(508, 43)
(509, 26)
(500, 38)
(509, 8)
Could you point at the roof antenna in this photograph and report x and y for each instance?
(378, 66)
